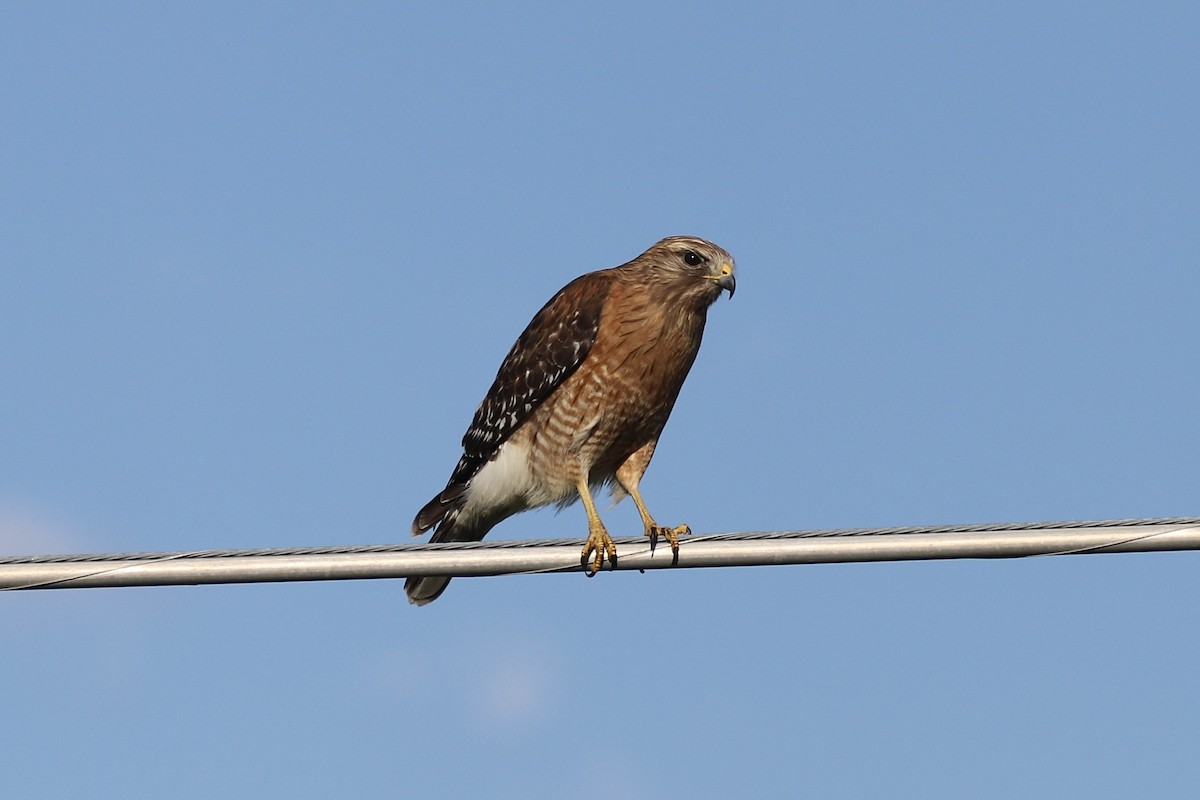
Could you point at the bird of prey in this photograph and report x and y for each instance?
(580, 400)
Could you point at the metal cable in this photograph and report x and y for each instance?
(507, 557)
(504, 544)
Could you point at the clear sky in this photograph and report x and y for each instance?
(259, 263)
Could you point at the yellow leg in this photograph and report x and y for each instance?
(598, 541)
(653, 529)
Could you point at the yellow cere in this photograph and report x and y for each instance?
(726, 270)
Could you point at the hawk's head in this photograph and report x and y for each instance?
(697, 268)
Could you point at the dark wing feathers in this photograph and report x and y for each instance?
(547, 352)
(550, 349)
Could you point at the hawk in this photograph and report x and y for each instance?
(580, 400)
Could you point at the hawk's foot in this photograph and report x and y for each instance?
(599, 544)
(670, 534)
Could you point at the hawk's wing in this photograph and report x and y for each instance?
(547, 352)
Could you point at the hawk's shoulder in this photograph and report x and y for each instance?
(547, 352)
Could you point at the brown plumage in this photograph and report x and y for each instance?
(581, 399)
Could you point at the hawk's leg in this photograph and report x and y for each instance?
(629, 475)
(598, 541)
(653, 529)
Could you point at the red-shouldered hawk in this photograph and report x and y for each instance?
(581, 399)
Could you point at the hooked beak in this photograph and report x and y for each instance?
(728, 283)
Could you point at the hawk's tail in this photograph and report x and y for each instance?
(443, 511)
(425, 589)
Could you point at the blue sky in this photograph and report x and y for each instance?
(260, 263)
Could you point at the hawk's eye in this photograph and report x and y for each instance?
(692, 258)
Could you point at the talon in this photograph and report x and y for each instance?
(652, 532)
(600, 543)
(670, 534)
(673, 537)
(591, 565)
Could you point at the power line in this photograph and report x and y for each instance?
(509, 557)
